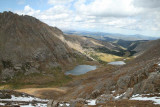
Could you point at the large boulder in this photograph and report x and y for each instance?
(49, 104)
(2, 96)
(123, 83)
(105, 97)
(128, 93)
(7, 73)
(31, 71)
(53, 103)
(149, 85)
(95, 94)
(79, 102)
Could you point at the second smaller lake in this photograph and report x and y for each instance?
(117, 63)
(81, 69)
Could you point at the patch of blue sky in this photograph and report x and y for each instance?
(13, 5)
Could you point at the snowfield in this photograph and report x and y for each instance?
(43, 102)
(155, 99)
(119, 96)
(91, 102)
(28, 99)
(37, 105)
(65, 104)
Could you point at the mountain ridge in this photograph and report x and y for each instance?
(29, 46)
(111, 36)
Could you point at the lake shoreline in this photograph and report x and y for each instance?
(81, 69)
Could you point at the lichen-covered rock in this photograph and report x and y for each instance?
(50, 102)
(1, 96)
(149, 85)
(53, 103)
(103, 98)
(95, 94)
(79, 102)
(17, 67)
(4, 95)
(128, 93)
(123, 83)
(72, 103)
(7, 73)
(31, 71)
(109, 85)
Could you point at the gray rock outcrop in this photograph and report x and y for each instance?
(105, 97)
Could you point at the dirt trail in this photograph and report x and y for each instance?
(49, 93)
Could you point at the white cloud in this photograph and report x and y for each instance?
(58, 9)
(99, 15)
(54, 2)
(28, 11)
(107, 8)
(56, 13)
(78, 19)
(147, 3)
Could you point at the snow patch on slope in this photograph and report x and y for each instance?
(26, 99)
(91, 102)
(155, 99)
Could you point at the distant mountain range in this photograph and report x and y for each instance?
(110, 36)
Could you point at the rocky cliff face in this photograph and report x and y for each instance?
(28, 45)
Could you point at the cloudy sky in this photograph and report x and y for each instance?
(112, 16)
